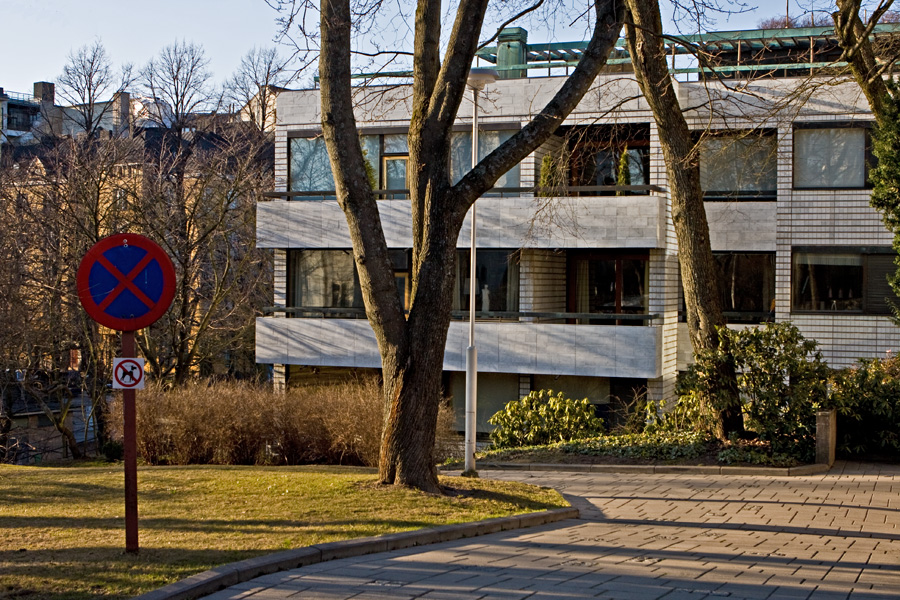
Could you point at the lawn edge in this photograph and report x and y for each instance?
(223, 576)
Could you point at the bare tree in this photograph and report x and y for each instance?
(699, 274)
(200, 176)
(412, 349)
(88, 83)
(178, 78)
(866, 64)
(255, 85)
(39, 346)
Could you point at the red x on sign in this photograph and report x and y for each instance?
(126, 282)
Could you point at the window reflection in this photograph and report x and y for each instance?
(747, 281)
(488, 141)
(830, 157)
(738, 165)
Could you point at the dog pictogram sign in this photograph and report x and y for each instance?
(126, 282)
(128, 373)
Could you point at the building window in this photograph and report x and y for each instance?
(831, 157)
(323, 279)
(496, 279)
(608, 284)
(488, 141)
(328, 279)
(747, 281)
(738, 167)
(308, 167)
(609, 155)
(842, 280)
(395, 158)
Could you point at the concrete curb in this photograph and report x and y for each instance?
(817, 469)
(223, 576)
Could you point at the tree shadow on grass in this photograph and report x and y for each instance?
(93, 571)
(200, 525)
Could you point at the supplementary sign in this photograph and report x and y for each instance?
(126, 282)
(128, 373)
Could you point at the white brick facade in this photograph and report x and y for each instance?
(545, 231)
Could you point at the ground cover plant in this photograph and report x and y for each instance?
(62, 529)
(648, 448)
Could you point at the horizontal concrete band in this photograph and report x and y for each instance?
(230, 574)
(656, 469)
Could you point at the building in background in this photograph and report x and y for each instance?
(579, 288)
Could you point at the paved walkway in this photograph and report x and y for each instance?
(643, 536)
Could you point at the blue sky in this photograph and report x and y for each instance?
(39, 34)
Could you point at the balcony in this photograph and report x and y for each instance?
(520, 220)
(503, 347)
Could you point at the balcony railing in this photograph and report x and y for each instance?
(501, 192)
(20, 96)
(360, 313)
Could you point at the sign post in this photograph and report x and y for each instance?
(127, 282)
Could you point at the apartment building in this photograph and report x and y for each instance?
(578, 286)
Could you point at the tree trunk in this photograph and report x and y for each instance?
(853, 38)
(412, 350)
(699, 275)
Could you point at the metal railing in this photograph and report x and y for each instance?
(21, 97)
(501, 192)
(360, 313)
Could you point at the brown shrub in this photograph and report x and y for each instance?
(241, 423)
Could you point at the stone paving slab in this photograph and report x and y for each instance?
(667, 536)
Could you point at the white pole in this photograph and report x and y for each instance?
(477, 79)
(471, 352)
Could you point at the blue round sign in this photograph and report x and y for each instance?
(126, 282)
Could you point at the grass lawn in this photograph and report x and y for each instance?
(62, 529)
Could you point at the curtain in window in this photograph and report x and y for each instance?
(488, 141)
(731, 164)
(830, 158)
(582, 288)
(512, 287)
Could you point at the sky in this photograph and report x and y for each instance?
(38, 35)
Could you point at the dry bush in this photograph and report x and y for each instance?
(239, 423)
(448, 444)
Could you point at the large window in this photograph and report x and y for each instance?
(488, 141)
(842, 280)
(738, 166)
(309, 169)
(831, 157)
(496, 279)
(328, 279)
(602, 283)
(609, 155)
(323, 279)
(308, 166)
(747, 281)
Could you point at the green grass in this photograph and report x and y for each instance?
(62, 530)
